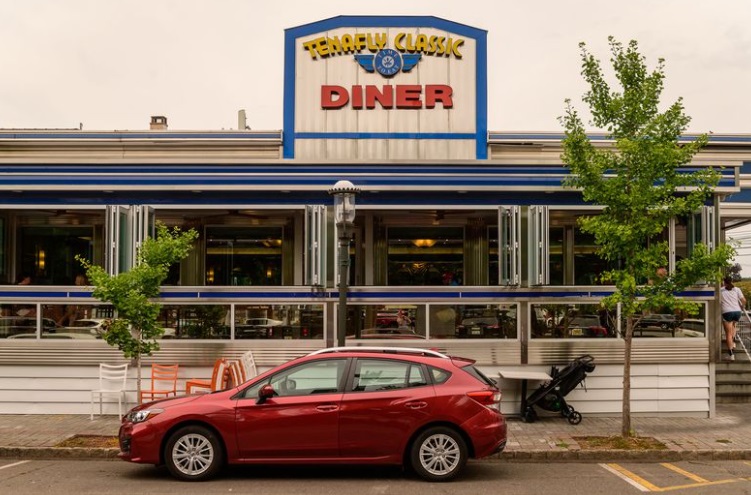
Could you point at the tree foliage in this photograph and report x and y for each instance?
(135, 329)
(641, 185)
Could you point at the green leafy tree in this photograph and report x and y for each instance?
(640, 186)
(133, 294)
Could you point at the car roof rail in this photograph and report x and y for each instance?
(385, 350)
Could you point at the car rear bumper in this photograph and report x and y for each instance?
(488, 432)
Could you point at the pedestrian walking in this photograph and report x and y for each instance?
(733, 303)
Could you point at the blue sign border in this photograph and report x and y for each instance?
(480, 36)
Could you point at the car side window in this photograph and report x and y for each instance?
(314, 377)
(439, 375)
(380, 374)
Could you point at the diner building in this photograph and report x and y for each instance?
(464, 239)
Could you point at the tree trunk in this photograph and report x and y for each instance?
(138, 378)
(626, 430)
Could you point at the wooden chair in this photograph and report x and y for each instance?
(218, 380)
(163, 381)
(112, 379)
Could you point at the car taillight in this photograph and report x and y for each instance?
(488, 398)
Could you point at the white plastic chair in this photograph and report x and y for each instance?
(249, 365)
(112, 379)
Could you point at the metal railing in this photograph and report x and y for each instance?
(743, 333)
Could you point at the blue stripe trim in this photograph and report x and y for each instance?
(286, 168)
(384, 135)
(481, 92)
(138, 135)
(306, 293)
(290, 76)
(554, 136)
(314, 183)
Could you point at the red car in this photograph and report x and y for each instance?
(364, 405)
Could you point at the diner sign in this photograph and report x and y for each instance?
(402, 83)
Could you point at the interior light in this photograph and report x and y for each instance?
(422, 243)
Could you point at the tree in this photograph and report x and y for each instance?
(134, 330)
(639, 183)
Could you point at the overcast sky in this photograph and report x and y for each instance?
(110, 65)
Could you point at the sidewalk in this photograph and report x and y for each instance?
(727, 436)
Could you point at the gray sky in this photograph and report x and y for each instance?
(111, 64)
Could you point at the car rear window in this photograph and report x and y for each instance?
(478, 374)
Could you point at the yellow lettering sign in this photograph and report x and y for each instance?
(441, 46)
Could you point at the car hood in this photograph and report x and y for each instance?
(170, 402)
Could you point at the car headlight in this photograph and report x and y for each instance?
(143, 415)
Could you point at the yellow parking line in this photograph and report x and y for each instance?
(632, 478)
(694, 485)
(645, 486)
(685, 473)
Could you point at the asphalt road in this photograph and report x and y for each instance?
(481, 478)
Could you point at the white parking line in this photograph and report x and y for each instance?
(618, 471)
(14, 464)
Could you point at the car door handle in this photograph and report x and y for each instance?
(416, 404)
(327, 407)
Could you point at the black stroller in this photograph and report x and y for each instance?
(550, 395)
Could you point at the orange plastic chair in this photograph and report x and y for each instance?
(218, 380)
(163, 381)
(236, 374)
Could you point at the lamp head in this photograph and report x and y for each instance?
(344, 193)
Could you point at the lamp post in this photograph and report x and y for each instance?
(344, 193)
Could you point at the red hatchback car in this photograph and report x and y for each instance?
(361, 405)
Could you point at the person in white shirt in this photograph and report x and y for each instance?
(733, 303)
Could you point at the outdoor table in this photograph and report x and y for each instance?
(524, 375)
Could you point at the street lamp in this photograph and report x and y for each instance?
(344, 193)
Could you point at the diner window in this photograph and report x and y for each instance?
(573, 252)
(244, 255)
(476, 321)
(387, 322)
(576, 321)
(48, 254)
(279, 321)
(43, 244)
(425, 255)
(195, 321)
(434, 321)
(73, 321)
(667, 323)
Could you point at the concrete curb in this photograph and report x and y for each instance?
(81, 453)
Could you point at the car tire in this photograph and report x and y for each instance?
(193, 453)
(438, 454)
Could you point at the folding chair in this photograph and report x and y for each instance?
(218, 380)
(163, 381)
(112, 380)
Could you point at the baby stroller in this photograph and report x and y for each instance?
(550, 395)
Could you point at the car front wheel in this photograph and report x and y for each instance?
(193, 453)
(438, 454)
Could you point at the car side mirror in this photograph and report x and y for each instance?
(266, 392)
